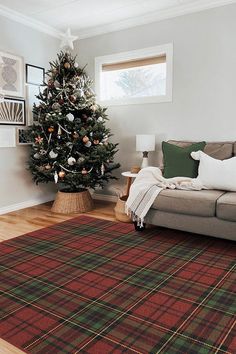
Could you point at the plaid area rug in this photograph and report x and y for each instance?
(94, 286)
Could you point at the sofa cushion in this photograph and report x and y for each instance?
(200, 203)
(178, 162)
(226, 207)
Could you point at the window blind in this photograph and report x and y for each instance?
(134, 63)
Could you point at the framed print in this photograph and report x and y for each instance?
(12, 112)
(11, 75)
(32, 92)
(23, 137)
(35, 75)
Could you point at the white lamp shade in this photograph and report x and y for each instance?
(145, 142)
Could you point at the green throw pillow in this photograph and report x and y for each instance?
(178, 161)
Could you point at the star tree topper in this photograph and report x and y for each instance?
(67, 40)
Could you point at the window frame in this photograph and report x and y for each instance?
(166, 49)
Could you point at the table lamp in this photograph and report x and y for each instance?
(145, 143)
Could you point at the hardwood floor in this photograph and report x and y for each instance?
(30, 219)
(22, 221)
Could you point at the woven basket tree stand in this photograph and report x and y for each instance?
(67, 203)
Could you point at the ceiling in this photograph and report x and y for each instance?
(87, 18)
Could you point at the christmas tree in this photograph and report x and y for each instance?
(71, 144)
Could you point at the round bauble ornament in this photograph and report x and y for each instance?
(84, 171)
(72, 98)
(85, 139)
(71, 161)
(75, 135)
(42, 152)
(70, 117)
(53, 154)
(76, 65)
(96, 142)
(88, 144)
(61, 174)
(51, 129)
(67, 65)
(94, 107)
(100, 119)
(61, 101)
(56, 106)
(48, 167)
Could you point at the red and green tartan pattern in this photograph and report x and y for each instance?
(95, 286)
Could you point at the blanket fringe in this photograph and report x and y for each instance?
(134, 217)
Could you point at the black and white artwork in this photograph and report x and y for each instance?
(12, 111)
(23, 136)
(11, 75)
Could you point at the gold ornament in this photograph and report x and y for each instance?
(84, 171)
(75, 135)
(61, 174)
(48, 167)
(51, 129)
(85, 139)
(67, 65)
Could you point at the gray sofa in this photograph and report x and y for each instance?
(206, 212)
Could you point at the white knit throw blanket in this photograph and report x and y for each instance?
(146, 187)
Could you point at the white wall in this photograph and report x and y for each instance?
(16, 186)
(204, 83)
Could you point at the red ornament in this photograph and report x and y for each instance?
(72, 98)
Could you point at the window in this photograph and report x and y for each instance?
(141, 76)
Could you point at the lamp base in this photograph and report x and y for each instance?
(145, 162)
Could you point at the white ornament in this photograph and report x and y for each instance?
(100, 119)
(55, 177)
(67, 40)
(88, 144)
(53, 154)
(102, 169)
(76, 65)
(71, 161)
(37, 156)
(70, 117)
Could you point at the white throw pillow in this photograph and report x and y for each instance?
(215, 174)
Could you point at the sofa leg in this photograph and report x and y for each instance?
(139, 228)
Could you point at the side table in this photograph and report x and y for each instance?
(129, 177)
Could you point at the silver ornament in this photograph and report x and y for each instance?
(53, 154)
(88, 144)
(71, 161)
(37, 156)
(70, 117)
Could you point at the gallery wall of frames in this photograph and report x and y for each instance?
(20, 83)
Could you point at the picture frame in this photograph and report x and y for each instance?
(35, 75)
(22, 136)
(12, 111)
(32, 91)
(11, 75)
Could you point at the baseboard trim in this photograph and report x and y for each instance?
(26, 204)
(105, 197)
